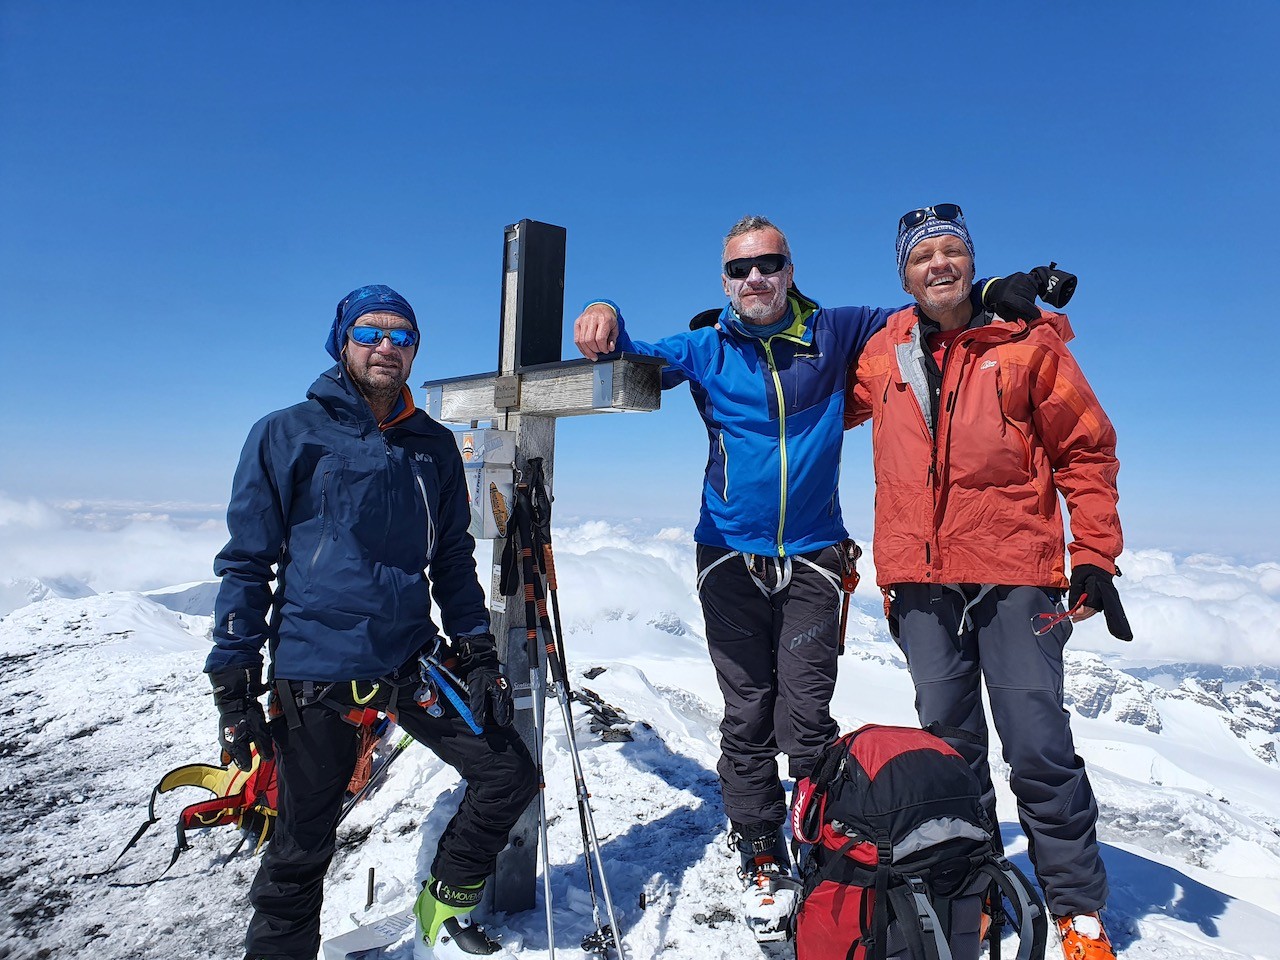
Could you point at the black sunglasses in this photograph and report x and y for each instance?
(939, 211)
(767, 264)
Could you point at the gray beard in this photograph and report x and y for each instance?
(762, 314)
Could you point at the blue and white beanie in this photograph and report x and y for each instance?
(932, 227)
(376, 297)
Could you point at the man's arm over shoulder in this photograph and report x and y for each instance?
(452, 567)
(857, 391)
(1081, 445)
(256, 521)
(856, 325)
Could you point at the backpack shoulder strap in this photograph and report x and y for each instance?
(1033, 925)
(918, 921)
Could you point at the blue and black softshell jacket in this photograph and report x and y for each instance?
(774, 412)
(359, 527)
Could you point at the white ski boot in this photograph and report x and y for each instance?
(770, 893)
(444, 932)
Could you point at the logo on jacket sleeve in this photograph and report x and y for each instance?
(987, 365)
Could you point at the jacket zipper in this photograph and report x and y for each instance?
(431, 526)
(324, 522)
(944, 412)
(782, 445)
(724, 457)
(1010, 425)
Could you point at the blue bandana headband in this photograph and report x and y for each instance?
(932, 227)
(375, 298)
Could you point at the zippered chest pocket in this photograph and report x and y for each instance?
(426, 482)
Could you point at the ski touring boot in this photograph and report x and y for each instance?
(444, 931)
(770, 893)
(1083, 938)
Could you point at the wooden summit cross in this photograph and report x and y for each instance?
(532, 387)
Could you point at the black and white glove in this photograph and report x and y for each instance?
(241, 722)
(1012, 297)
(488, 689)
(1099, 591)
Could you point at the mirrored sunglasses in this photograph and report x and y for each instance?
(372, 336)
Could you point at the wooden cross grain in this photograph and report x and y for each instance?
(531, 389)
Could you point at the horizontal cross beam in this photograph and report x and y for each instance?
(567, 388)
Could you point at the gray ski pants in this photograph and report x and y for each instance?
(772, 627)
(950, 651)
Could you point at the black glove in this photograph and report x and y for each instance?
(488, 690)
(1099, 592)
(241, 722)
(1054, 285)
(1012, 297)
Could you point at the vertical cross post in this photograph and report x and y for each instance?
(531, 389)
(530, 332)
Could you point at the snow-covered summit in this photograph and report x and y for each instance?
(104, 694)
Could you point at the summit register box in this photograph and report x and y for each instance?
(488, 461)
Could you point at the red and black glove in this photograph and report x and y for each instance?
(241, 722)
(488, 689)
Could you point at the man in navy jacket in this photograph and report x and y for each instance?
(348, 517)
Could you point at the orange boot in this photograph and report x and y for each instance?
(1083, 938)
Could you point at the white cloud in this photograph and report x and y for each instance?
(1200, 608)
(108, 545)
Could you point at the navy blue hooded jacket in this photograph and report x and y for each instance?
(359, 528)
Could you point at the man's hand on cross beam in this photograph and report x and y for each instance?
(595, 332)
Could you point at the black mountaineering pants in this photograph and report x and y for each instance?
(314, 764)
(772, 625)
(957, 637)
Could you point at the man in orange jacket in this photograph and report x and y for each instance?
(978, 425)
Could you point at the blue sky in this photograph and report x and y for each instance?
(187, 190)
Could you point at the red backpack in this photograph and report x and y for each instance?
(902, 859)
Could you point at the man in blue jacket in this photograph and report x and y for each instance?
(348, 516)
(768, 381)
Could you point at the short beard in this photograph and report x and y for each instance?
(947, 299)
(378, 394)
(762, 314)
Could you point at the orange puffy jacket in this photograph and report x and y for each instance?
(1017, 425)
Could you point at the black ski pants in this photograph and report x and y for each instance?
(772, 631)
(955, 637)
(314, 764)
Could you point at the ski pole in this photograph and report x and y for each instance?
(377, 775)
(537, 692)
(540, 503)
(536, 606)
